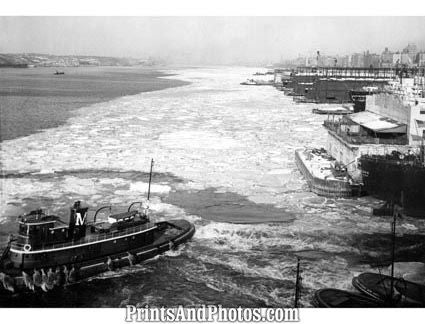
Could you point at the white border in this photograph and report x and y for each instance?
(213, 8)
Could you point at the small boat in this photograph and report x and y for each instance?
(378, 287)
(249, 82)
(48, 253)
(332, 111)
(59, 72)
(336, 298)
(257, 82)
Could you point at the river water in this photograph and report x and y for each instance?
(224, 159)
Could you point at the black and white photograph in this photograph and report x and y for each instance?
(212, 167)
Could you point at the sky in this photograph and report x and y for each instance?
(208, 40)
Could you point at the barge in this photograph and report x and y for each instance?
(324, 176)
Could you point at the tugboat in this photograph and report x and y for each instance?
(46, 252)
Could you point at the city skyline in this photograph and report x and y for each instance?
(208, 40)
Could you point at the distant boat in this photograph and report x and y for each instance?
(332, 111)
(257, 82)
(59, 72)
(249, 82)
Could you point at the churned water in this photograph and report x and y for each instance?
(224, 159)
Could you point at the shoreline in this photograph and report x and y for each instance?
(35, 99)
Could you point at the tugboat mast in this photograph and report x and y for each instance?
(150, 180)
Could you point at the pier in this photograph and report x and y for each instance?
(333, 84)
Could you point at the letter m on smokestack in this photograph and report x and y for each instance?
(80, 217)
(78, 214)
(77, 221)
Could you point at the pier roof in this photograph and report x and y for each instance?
(378, 123)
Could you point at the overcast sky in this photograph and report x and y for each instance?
(209, 40)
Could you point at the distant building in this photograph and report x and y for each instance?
(397, 59)
(357, 60)
(410, 49)
(371, 60)
(407, 59)
(387, 58)
(421, 59)
(410, 54)
(343, 61)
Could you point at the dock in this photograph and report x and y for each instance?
(334, 84)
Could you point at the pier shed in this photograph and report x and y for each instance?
(391, 122)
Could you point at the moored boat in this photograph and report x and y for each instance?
(412, 291)
(324, 176)
(378, 287)
(336, 298)
(332, 111)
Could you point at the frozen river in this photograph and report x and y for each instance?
(224, 159)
